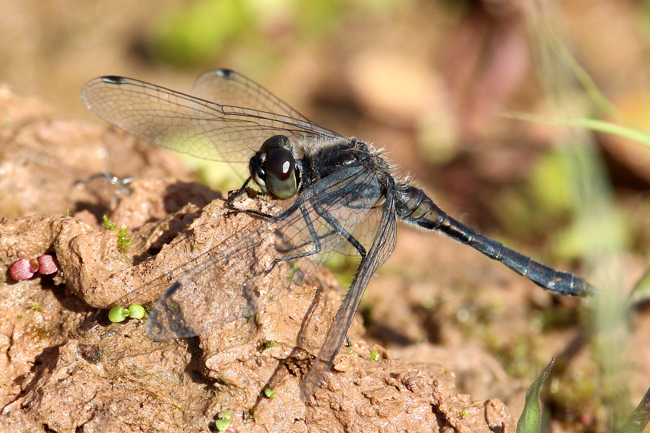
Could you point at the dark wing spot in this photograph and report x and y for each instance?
(225, 73)
(113, 79)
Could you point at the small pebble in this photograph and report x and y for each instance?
(47, 265)
(21, 270)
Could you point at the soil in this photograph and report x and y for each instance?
(66, 368)
(429, 81)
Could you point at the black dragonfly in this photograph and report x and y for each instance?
(333, 194)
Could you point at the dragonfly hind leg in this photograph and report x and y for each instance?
(337, 228)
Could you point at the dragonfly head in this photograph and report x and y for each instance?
(273, 168)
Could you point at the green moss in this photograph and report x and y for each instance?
(123, 239)
(108, 224)
(265, 344)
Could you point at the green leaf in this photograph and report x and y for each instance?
(641, 291)
(638, 421)
(530, 420)
(591, 124)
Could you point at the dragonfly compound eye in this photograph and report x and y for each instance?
(280, 173)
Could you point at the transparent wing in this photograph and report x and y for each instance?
(237, 280)
(188, 124)
(231, 88)
(382, 246)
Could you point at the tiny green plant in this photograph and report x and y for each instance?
(108, 224)
(119, 314)
(269, 393)
(374, 355)
(223, 420)
(265, 344)
(123, 238)
(137, 311)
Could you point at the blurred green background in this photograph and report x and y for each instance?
(426, 80)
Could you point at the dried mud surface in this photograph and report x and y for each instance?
(65, 368)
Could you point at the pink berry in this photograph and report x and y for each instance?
(21, 270)
(47, 265)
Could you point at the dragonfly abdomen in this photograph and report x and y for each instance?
(415, 207)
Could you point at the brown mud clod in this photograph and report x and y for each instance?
(65, 368)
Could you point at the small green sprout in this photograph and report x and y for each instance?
(67, 213)
(36, 307)
(20, 316)
(464, 414)
(223, 420)
(118, 314)
(269, 393)
(137, 311)
(374, 355)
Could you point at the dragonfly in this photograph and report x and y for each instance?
(331, 194)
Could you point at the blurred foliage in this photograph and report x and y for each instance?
(192, 33)
(549, 184)
(195, 33)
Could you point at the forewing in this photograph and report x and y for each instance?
(187, 124)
